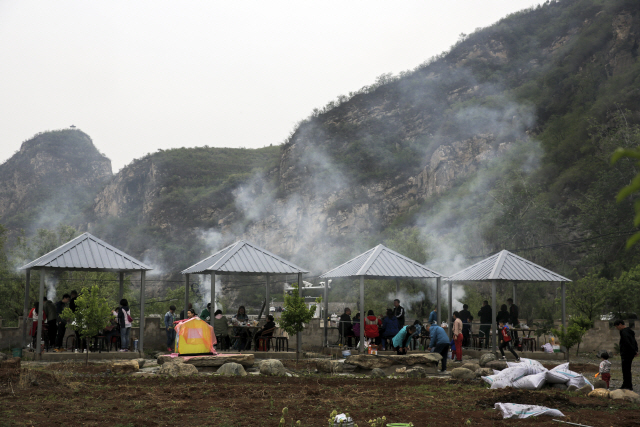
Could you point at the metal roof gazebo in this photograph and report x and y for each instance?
(381, 262)
(241, 258)
(506, 266)
(84, 253)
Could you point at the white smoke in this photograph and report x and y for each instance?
(51, 283)
(205, 290)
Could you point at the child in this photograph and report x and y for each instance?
(506, 342)
(605, 368)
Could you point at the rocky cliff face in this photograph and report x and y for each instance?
(52, 174)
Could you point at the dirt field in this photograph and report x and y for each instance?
(64, 394)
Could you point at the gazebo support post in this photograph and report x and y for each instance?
(121, 290)
(299, 334)
(186, 295)
(267, 305)
(40, 316)
(438, 299)
(213, 298)
(494, 325)
(563, 287)
(143, 280)
(450, 314)
(25, 316)
(515, 286)
(326, 314)
(361, 346)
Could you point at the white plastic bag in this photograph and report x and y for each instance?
(554, 377)
(514, 410)
(526, 362)
(531, 382)
(572, 378)
(548, 348)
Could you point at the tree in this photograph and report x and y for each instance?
(296, 313)
(586, 295)
(572, 336)
(623, 296)
(632, 133)
(92, 314)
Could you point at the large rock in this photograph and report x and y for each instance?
(599, 384)
(599, 392)
(246, 360)
(498, 365)
(486, 358)
(471, 366)
(463, 374)
(329, 366)
(370, 361)
(231, 369)
(141, 363)
(272, 367)
(177, 368)
(418, 372)
(128, 367)
(622, 394)
(484, 372)
(584, 390)
(377, 373)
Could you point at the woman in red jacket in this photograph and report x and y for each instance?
(372, 327)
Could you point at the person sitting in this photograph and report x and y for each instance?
(266, 331)
(221, 329)
(372, 327)
(191, 313)
(402, 339)
(356, 328)
(239, 320)
(345, 328)
(389, 327)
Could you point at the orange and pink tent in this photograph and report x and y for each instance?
(194, 336)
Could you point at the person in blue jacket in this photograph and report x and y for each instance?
(439, 343)
(389, 327)
(433, 317)
(402, 338)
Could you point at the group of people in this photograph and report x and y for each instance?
(55, 325)
(242, 334)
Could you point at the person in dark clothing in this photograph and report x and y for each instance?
(389, 328)
(182, 312)
(398, 312)
(514, 313)
(345, 328)
(73, 307)
(486, 318)
(62, 325)
(52, 321)
(628, 350)
(503, 314)
(467, 318)
(266, 331)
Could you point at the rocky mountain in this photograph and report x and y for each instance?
(502, 142)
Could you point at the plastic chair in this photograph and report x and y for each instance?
(281, 342)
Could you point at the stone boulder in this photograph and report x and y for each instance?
(329, 366)
(377, 373)
(622, 394)
(498, 365)
(584, 390)
(484, 372)
(463, 374)
(418, 372)
(371, 361)
(141, 363)
(272, 367)
(599, 392)
(10, 363)
(486, 358)
(232, 369)
(599, 384)
(178, 369)
(128, 367)
(246, 360)
(471, 366)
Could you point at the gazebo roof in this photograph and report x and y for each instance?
(506, 266)
(244, 257)
(87, 252)
(381, 262)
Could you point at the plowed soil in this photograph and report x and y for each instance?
(52, 396)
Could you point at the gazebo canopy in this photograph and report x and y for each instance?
(381, 262)
(244, 257)
(87, 253)
(506, 266)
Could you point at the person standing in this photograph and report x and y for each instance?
(182, 316)
(486, 318)
(605, 368)
(169, 318)
(467, 318)
(33, 331)
(372, 327)
(439, 343)
(514, 313)
(389, 328)
(52, 322)
(62, 325)
(506, 341)
(123, 314)
(457, 335)
(345, 328)
(628, 350)
(398, 311)
(433, 316)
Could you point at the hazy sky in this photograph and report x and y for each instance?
(142, 75)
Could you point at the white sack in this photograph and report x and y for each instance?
(524, 361)
(531, 382)
(514, 410)
(571, 378)
(554, 377)
(501, 383)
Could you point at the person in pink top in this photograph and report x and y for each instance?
(457, 335)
